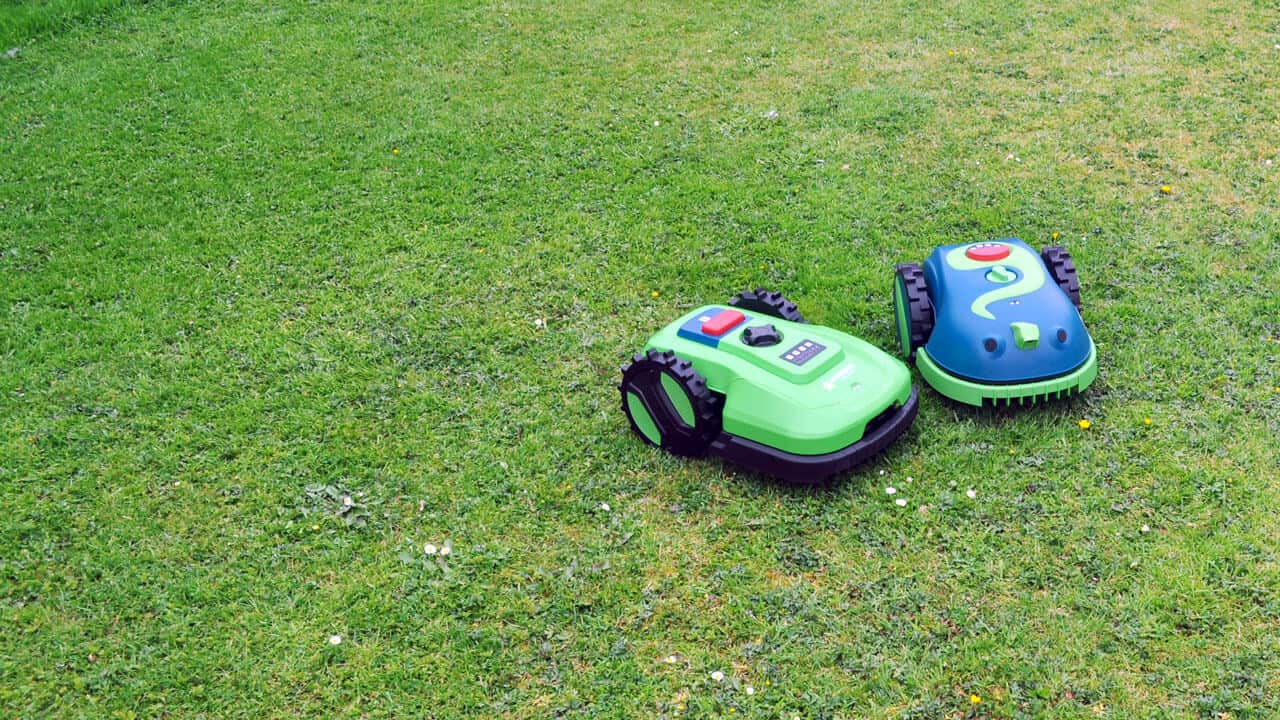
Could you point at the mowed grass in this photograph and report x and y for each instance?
(257, 258)
(25, 20)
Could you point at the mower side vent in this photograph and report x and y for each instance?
(1024, 400)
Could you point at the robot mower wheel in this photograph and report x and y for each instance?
(1063, 271)
(669, 404)
(913, 311)
(765, 302)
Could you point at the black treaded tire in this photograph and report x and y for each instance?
(1063, 271)
(767, 302)
(915, 312)
(643, 377)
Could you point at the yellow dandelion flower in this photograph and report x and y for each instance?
(1166, 189)
(1055, 234)
(1146, 421)
(655, 293)
(975, 699)
(1085, 424)
(395, 151)
(315, 527)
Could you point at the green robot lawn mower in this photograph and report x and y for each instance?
(753, 383)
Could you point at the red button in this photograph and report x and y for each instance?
(988, 252)
(722, 323)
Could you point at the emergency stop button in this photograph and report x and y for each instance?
(722, 322)
(987, 252)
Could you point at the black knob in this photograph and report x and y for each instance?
(761, 336)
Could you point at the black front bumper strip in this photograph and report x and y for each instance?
(813, 469)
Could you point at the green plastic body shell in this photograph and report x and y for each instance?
(973, 393)
(818, 407)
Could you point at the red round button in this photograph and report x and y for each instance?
(987, 252)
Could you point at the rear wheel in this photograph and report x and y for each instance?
(912, 309)
(669, 404)
(1063, 271)
(766, 302)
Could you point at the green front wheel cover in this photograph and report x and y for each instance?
(679, 399)
(641, 419)
(901, 316)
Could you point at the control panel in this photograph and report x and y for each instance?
(803, 352)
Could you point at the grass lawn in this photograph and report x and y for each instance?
(20, 20)
(256, 258)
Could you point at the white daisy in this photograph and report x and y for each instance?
(335, 640)
(900, 502)
(891, 490)
(971, 493)
(717, 676)
(429, 549)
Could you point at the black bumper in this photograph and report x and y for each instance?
(813, 469)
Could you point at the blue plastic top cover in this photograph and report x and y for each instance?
(999, 317)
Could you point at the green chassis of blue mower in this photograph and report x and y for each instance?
(1029, 393)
